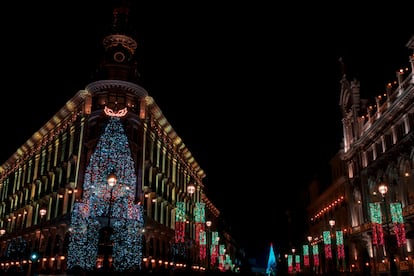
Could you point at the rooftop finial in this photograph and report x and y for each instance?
(120, 18)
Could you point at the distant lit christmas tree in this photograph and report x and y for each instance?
(102, 204)
(271, 263)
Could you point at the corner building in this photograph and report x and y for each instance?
(60, 211)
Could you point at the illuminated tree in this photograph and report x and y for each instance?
(271, 263)
(102, 203)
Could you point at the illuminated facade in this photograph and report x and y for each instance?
(324, 207)
(378, 148)
(63, 169)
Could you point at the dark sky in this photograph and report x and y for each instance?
(252, 88)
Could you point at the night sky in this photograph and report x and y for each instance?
(251, 88)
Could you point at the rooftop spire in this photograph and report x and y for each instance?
(120, 24)
(119, 58)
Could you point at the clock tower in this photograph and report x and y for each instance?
(119, 61)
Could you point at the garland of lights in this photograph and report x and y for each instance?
(228, 263)
(214, 249)
(297, 263)
(315, 252)
(179, 222)
(398, 221)
(178, 249)
(376, 221)
(222, 252)
(112, 155)
(306, 255)
(203, 244)
(290, 263)
(327, 244)
(200, 220)
(340, 244)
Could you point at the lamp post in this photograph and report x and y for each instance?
(309, 253)
(111, 180)
(42, 213)
(332, 223)
(383, 190)
(286, 263)
(293, 260)
(208, 224)
(2, 233)
(36, 255)
(190, 191)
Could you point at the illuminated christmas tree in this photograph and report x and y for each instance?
(271, 263)
(108, 207)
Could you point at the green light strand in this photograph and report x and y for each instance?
(315, 249)
(396, 212)
(305, 249)
(326, 237)
(375, 212)
(339, 237)
(180, 211)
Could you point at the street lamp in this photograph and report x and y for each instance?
(332, 223)
(189, 249)
(111, 180)
(36, 255)
(2, 233)
(208, 224)
(191, 189)
(309, 251)
(287, 262)
(42, 213)
(383, 190)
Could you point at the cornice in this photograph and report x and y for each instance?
(104, 85)
(58, 123)
(116, 39)
(395, 110)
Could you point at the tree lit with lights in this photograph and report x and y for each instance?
(104, 206)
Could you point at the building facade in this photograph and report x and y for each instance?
(60, 209)
(327, 214)
(371, 198)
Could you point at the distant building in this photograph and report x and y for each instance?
(60, 210)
